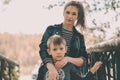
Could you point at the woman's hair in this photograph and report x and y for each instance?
(56, 40)
(81, 13)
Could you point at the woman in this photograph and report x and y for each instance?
(76, 54)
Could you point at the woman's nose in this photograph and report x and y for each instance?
(70, 15)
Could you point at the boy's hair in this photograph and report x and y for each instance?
(56, 40)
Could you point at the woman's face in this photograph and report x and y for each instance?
(70, 15)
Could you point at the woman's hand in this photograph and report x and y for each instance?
(53, 74)
(62, 63)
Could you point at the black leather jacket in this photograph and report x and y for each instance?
(77, 48)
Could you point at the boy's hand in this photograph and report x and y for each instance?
(96, 66)
(62, 63)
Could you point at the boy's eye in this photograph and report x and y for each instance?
(61, 48)
(54, 49)
(67, 12)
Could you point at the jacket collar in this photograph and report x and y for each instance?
(74, 30)
(59, 27)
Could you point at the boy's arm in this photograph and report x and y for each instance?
(92, 71)
(96, 66)
(89, 76)
(75, 73)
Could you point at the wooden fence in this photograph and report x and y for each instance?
(109, 53)
(9, 70)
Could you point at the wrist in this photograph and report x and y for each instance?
(47, 60)
(68, 59)
(92, 70)
(50, 66)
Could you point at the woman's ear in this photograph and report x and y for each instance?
(48, 50)
(66, 49)
(63, 13)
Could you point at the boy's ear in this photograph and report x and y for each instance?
(48, 50)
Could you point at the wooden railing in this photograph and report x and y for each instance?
(109, 53)
(9, 70)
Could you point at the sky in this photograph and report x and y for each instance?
(27, 16)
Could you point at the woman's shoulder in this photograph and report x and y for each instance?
(79, 33)
(54, 26)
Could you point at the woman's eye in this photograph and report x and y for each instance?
(73, 13)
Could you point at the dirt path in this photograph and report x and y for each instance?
(25, 77)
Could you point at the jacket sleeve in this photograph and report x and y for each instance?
(83, 52)
(83, 48)
(43, 46)
(76, 75)
(89, 76)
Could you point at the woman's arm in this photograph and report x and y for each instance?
(76, 61)
(43, 47)
(53, 74)
(83, 53)
(82, 58)
(46, 58)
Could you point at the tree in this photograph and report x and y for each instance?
(102, 16)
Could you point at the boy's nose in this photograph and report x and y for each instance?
(58, 52)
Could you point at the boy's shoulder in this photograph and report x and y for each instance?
(70, 65)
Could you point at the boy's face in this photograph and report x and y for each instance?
(57, 51)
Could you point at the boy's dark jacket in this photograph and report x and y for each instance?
(66, 72)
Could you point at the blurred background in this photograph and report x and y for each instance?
(22, 23)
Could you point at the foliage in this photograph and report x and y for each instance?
(6, 1)
(102, 17)
(23, 49)
(8, 69)
(59, 3)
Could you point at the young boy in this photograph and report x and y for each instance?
(57, 49)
